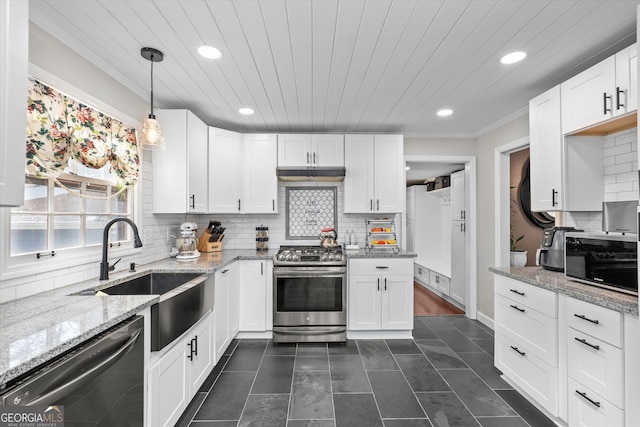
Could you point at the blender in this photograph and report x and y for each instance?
(188, 243)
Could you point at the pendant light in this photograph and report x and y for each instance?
(152, 138)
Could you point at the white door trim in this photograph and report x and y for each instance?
(501, 208)
(471, 296)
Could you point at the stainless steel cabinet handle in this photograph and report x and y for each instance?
(585, 342)
(583, 317)
(584, 396)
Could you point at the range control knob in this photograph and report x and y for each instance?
(324, 257)
(288, 257)
(295, 257)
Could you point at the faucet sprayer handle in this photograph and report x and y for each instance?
(113, 267)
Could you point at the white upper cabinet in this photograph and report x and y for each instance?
(545, 151)
(602, 92)
(225, 173)
(260, 181)
(374, 178)
(567, 172)
(14, 51)
(242, 172)
(304, 150)
(180, 172)
(458, 205)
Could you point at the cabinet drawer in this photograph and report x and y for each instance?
(381, 266)
(532, 374)
(596, 365)
(588, 409)
(522, 293)
(421, 273)
(537, 331)
(599, 322)
(439, 282)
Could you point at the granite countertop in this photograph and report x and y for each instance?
(38, 328)
(362, 253)
(557, 282)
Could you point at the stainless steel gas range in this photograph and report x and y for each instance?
(309, 294)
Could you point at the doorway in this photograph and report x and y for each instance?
(433, 166)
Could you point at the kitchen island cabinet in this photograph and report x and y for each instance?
(14, 61)
(374, 177)
(178, 183)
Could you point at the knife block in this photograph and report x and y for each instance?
(204, 245)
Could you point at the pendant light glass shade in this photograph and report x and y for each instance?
(152, 138)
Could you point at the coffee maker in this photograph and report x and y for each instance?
(187, 244)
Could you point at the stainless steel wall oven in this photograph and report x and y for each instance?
(309, 294)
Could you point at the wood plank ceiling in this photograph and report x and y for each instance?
(343, 65)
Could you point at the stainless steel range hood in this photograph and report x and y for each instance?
(326, 173)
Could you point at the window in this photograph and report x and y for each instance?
(54, 219)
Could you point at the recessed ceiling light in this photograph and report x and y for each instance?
(513, 57)
(246, 110)
(407, 168)
(445, 112)
(209, 52)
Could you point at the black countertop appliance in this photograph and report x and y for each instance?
(551, 255)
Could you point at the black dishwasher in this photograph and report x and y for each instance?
(98, 383)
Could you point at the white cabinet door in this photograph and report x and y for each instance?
(458, 205)
(327, 150)
(364, 312)
(588, 98)
(253, 296)
(626, 90)
(178, 185)
(458, 261)
(546, 152)
(234, 299)
(389, 173)
(261, 182)
(221, 313)
(397, 302)
(167, 391)
(294, 150)
(359, 174)
(587, 409)
(199, 354)
(197, 164)
(225, 171)
(14, 52)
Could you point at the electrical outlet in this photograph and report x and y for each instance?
(148, 235)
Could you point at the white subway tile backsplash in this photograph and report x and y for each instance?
(615, 169)
(625, 158)
(617, 149)
(618, 187)
(627, 177)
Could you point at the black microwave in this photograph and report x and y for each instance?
(607, 261)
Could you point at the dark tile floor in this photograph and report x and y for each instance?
(443, 377)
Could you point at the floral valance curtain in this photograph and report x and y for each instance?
(60, 128)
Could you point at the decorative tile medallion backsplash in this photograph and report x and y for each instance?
(309, 210)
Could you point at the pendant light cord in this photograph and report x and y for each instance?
(151, 114)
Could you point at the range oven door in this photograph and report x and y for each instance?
(309, 296)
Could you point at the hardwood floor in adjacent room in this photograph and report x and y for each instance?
(426, 303)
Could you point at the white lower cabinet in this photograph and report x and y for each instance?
(421, 274)
(177, 374)
(255, 296)
(225, 308)
(526, 349)
(380, 294)
(588, 409)
(440, 282)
